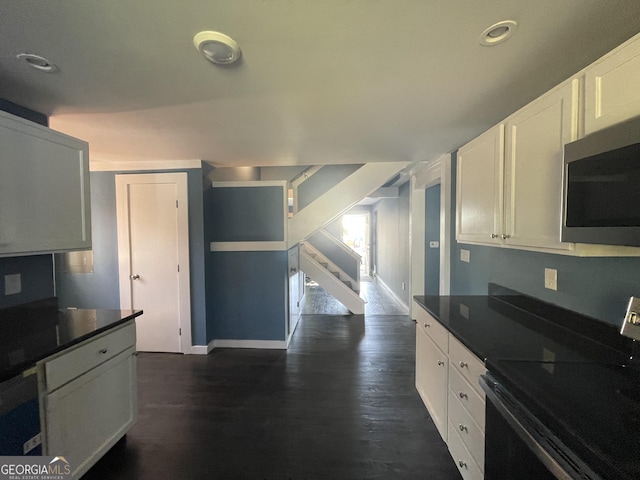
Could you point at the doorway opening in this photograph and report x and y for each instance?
(356, 234)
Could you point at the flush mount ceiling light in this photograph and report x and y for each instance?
(498, 32)
(217, 47)
(38, 62)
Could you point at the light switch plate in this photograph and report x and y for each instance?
(433, 244)
(551, 278)
(465, 255)
(12, 284)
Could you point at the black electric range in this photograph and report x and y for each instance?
(576, 375)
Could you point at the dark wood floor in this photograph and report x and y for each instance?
(379, 301)
(339, 404)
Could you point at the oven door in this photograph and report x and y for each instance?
(518, 446)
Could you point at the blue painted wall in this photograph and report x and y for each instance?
(322, 181)
(598, 287)
(246, 292)
(27, 113)
(36, 271)
(247, 295)
(432, 234)
(100, 289)
(392, 242)
(250, 214)
(36, 277)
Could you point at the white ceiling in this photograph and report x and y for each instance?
(320, 81)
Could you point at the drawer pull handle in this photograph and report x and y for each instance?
(103, 351)
(440, 362)
(427, 325)
(462, 464)
(463, 395)
(463, 428)
(462, 364)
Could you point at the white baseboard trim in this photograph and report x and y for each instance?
(260, 344)
(390, 292)
(200, 349)
(264, 344)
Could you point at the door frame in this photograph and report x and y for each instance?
(124, 261)
(436, 172)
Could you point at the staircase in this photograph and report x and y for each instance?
(317, 264)
(330, 277)
(340, 198)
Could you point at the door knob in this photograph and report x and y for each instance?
(135, 277)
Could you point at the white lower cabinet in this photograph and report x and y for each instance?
(431, 380)
(464, 461)
(84, 417)
(447, 381)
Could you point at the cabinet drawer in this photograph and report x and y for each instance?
(468, 468)
(465, 362)
(468, 397)
(432, 328)
(469, 432)
(87, 356)
(90, 414)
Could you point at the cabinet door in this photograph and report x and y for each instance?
(535, 138)
(431, 380)
(479, 188)
(86, 417)
(44, 189)
(612, 87)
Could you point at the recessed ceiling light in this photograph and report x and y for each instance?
(498, 32)
(38, 62)
(217, 47)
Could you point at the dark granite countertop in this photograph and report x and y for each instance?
(576, 374)
(36, 330)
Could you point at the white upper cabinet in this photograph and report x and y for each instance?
(44, 190)
(479, 196)
(535, 136)
(509, 189)
(612, 87)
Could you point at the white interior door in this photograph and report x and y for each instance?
(153, 237)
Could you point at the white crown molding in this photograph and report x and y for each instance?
(141, 165)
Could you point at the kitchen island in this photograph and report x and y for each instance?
(84, 364)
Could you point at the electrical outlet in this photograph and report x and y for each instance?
(465, 255)
(12, 284)
(551, 278)
(433, 244)
(631, 324)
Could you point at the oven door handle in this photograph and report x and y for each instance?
(543, 455)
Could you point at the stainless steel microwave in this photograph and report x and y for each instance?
(601, 194)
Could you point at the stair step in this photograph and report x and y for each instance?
(347, 283)
(324, 264)
(336, 274)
